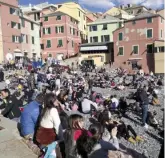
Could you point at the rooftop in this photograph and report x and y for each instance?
(105, 19)
(143, 16)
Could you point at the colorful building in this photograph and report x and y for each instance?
(10, 29)
(74, 10)
(30, 37)
(102, 29)
(60, 35)
(134, 43)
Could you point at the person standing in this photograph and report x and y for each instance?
(144, 101)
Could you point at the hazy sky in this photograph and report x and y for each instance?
(102, 5)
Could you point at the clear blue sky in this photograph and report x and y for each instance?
(101, 5)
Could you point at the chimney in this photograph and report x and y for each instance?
(129, 5)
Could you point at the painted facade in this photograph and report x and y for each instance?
(74, 10)
(102, 29)
(134, 43)
(60, 35)
(11, 31)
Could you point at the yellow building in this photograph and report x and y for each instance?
(119, 13)
(74, 10)
(96, 53)
(159, 57)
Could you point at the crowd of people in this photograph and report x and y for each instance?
(51, 106)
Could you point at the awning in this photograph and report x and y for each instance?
(18, 54)
(134, 59)
(90, 48)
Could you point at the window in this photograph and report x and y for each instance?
(134, 22)
(84, 17)
(33, 40)
(90, 39)
(161, 33)
(58, 17)
(13, 24)
(149, 33)
(60, 44)
(150, 48)
(77, 33)
(48, 45)
(59, 29)
(46, 18)
(104, 26)
(161, 49)
(70, 30)
(19, 26)
(12, 10)
(26, 38)
(94, 28)
(22, 22)
(32, 26)
(72, 44)
(44, 31)
(84, 27)
(102, 59)
(120, 36)
(16, 39)
(121, 51)
(135, 49)
(161, 20)
(23, 36)
(149, 20)
(73, 31)
(79, 14)
(120, 24)
(135, 65)
(105, 38)
(71, 19)
(95, 39)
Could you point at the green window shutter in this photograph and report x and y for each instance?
(73, 31)
(44, 31)
(13, 38)
(48, 43)
(135, 49)
(149, 33)
(19, 26)
(72, 44)
(49, 30)
(62, 29)
(46, 19)
(60, 43)
(20, 39)
(70, 30)
(121, 51)
(56, 29)
(120, 36)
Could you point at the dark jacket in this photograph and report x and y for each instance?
(11, 108)
(143, 98)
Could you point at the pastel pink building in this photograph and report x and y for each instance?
(60, 35)
(134, 44)
(10, 28)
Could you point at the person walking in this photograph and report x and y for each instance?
(144, 101)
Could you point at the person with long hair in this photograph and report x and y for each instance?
(94, 146)
(50, 128)
(75, 129)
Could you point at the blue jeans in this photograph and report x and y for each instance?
(144, 113)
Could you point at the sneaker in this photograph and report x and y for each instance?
(138, 139)
(131, 140)
(146, 126)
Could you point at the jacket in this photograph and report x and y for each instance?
(29, 118)
(143, 98)
(11, 108)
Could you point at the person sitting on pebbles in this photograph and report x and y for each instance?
(123, 130)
